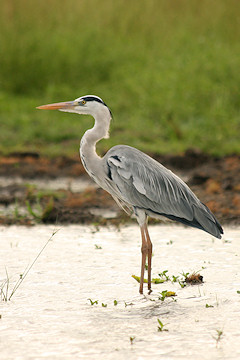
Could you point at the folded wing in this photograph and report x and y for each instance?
(142, 182)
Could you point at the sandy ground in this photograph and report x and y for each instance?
(50, 315)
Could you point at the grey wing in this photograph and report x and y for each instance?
(142, 182)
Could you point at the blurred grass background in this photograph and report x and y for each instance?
(169, 71)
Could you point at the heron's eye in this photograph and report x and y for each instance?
(83, 102)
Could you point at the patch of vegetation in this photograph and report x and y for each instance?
(187, 278)
(163, 275)
(41, 204)
(165, 294)
(4, 287)
(193, 279)
(188, 89)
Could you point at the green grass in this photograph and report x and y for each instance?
(169, 71)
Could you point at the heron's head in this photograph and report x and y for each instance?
(88, 104)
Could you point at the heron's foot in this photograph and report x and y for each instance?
(149, 291)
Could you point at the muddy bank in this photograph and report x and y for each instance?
(39, 189)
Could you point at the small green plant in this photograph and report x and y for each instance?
(47, 210)
(92, 302)
(175, 278)
(209, 306)
(40, 214)
(165, 294)
(128, 304)
(16, 213)
(238, 291)
(164, 275)
(185, 275)
(131, 338)
(161, 326)
(104, 305)
(137, 278)
(218, 336)
(35, 214)
(182, 283)
(97, 247)
(115, 303)
(157, 281)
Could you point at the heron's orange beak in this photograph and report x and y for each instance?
(58, 106)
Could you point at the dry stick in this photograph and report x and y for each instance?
(7, 282)
(26, 271)
(3, 294)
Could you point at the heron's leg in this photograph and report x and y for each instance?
(149, 249)
(144, 250)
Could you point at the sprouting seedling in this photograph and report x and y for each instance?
(128, 304)
(209, 306)
(175, 278)
(22, 276)
(166, 293)
(164, 275)
(104, 305)
(185, 275)
(97, 247)
(163, 294)
(182, 283)
(131, 338)
(115, 303)
(218, 336)
(93, 302)
(161, 326)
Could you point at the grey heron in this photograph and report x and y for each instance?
(139, 184)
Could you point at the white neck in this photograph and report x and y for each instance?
(88, 154)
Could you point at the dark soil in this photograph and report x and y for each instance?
(216, 181)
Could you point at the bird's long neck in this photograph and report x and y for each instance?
(89, 157)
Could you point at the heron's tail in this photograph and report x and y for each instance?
(203, 219)
(207, 221)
